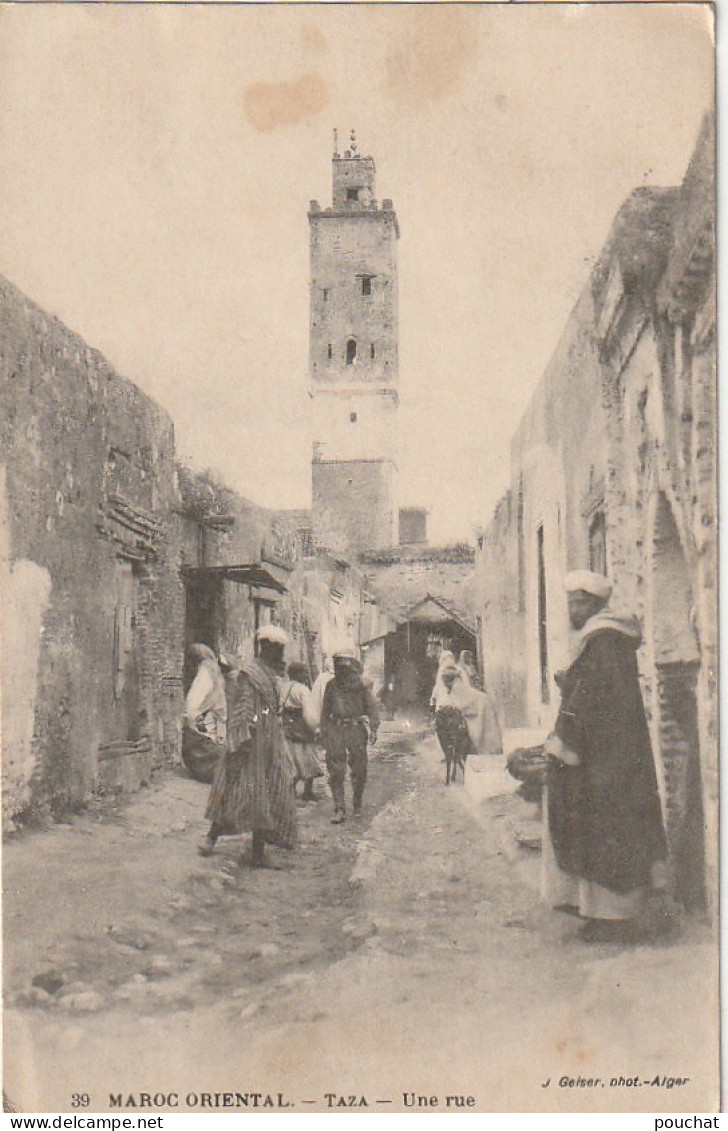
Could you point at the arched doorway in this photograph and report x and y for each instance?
(677, 661)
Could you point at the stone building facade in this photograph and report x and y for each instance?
(114, 559)
(614, 468)
(241, 565)
(353, 359)
(401, 576)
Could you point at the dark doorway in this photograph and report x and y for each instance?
(543, 655)
(202, 602)
(128, 718)
(412, 654)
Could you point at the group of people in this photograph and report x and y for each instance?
(252, 730)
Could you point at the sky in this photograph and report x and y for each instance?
(156, 165)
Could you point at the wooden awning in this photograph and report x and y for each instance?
(433, 610)
(248, 574)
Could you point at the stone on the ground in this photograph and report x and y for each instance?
(295, 978)
(76, 987)
(358, 930)
(138, 940)
(268, 949)
(127, 991)
(49, 980)
(36, 995)
(87, 1002)
(159, 967)
(179, 903)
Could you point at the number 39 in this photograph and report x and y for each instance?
(80, 1099)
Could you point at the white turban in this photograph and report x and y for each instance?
(587, 582)
(273, 633)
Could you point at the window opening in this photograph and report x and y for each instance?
(352, 194)
(352, 417)
(330, 351)
(542, 627)
(598, 543)
(366, 284)
(374, 351)
(350, 352)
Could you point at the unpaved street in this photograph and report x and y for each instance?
(405, 952)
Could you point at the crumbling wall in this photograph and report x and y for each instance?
(89, 480)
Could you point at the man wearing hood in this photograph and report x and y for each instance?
(604, 813)
(347, 708)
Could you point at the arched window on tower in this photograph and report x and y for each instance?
(330, 351)
(350, 351)
(373, 351)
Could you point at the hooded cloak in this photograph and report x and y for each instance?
(605, 817)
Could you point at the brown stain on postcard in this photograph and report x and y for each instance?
(268, 105)
(428, 58)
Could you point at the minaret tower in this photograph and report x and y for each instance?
(353, 359)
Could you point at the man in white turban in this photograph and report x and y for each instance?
(253, 786)
(604, 813)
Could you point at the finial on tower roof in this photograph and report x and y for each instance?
(352, 144)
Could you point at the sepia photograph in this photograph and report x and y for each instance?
(358, 558)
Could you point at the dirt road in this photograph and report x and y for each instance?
(400, 957)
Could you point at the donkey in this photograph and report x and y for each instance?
(452, 732)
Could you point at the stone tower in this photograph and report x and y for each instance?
(353, 359)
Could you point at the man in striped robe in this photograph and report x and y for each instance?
(253, 786)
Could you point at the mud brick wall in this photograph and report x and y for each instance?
(404, 577)
(499, 601)
(83, 452)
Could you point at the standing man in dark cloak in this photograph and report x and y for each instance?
(252, 790)
(604, 812)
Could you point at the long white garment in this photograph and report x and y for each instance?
(475, 707)
(317, 697)
(297, 695)
(205, 708)
(593, 900)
